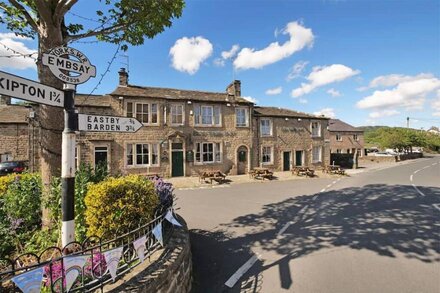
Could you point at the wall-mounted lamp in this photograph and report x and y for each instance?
(299, 119)
(120, 97)
(189, 102)
(229, 105)
(287, 119)
(191, 112)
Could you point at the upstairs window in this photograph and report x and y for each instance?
(355, 137)
(266, 127)
(177, 114)
(241, 117)
(316, 129)
(207, 115)
(144, 112)
(338, 137)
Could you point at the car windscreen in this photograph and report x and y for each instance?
(8, 164)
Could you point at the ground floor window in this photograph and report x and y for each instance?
(208, 152)
(6, 157)
(266, 155)
(316, 154)
(101, 156)
(338, 151)
(142, 155)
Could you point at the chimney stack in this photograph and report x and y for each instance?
(234, 89)
(123, 77)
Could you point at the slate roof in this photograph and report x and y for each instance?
(281, 112)
(14, 114)
(174, 94)
(83, 100)
(341, 126)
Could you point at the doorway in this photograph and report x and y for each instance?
(286, 161)
(177, 160)
(298, 158)
(242, 160)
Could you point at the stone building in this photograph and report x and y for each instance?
(345, 139)
(287, 138)
(185, 132)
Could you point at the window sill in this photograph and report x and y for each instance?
(140, 166)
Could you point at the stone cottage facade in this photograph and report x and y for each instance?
(345, 139)
(185, 132)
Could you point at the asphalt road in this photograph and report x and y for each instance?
(376, 231)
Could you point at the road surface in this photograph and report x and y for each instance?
(376, 231)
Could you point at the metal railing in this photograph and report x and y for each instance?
(95, 274)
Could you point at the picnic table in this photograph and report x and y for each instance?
(152, 176)
(216, 175)
(260, 172)
(303, 171)
(334, 169)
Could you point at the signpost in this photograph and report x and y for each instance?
(29, 90)
(97, 123)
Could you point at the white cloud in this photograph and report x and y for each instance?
(323, 75)
(14, 42)
(436, 105)
(250, 99)
(231, 53)
(300, 37)
(334, 93)
(393, 79)
(219, 62)
(296, 70)
(303, 101)
(409, 94)
(188, 53)
(327, 112)
(274, 91)
(383, 113)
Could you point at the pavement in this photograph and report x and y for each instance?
(374, 231)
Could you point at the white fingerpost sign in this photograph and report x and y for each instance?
(69, 65)
(98, 123)
(29, 90)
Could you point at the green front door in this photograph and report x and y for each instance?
(177, 163)
(286, 161)
(298, 159)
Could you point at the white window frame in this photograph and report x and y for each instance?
(319, 159)
(198, 115)
(270, 127)
(338, 151)
(151, 148)
(174, 113)
(355, 137)
(150, 112)
(217, 153)
(338, 137)
(270, 154)
(312, 128)
(108, 154)
(5, 157)
(246, 117)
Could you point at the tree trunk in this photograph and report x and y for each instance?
(51, 119)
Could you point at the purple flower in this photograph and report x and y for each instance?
(164, 190)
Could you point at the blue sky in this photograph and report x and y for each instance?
(365, 62)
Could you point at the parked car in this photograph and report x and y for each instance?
(12, 167)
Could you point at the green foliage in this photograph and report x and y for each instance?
(20, 211)
(124, 21)
(117, 205)
(401, 138)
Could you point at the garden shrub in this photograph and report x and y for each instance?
(117, 205)
(4, 182)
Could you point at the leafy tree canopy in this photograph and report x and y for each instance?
(124, 21)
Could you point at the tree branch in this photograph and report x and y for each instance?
(26, 14)
(44, 11)
(62, 7)
(104, 31)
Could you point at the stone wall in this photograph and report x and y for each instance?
(169, 270)
(14, 141)
(377, 159)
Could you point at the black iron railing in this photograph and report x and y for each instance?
(95, 274)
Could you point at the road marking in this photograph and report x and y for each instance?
(242, 270)
(433, 164)
(418, 190)
(334, 182)
(416, 171)
(322, 190)
(328, 186)
(437, 206)
(411, 178)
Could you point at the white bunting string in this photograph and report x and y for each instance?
(112, 258)
(30, 281)
(157, 232)
(170, 217)
(140, 246)
(73, 266)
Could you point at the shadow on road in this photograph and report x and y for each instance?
(385, 219)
